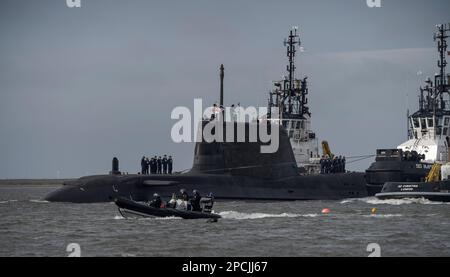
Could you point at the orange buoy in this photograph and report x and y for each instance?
(373, 211)
(326, 211)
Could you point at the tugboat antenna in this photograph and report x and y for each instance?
(292, 40)
(441, 37)
(290, 94)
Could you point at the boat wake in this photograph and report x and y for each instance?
(8, 201)
(31, 200)
(119, 217)
(39, 201)
(240, 216)
(396, 202)
(383, 215)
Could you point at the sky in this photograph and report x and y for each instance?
(79, 86)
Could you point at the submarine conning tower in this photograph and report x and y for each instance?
(244, 158)
(240, 150)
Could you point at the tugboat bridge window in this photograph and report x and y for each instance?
(423, 123)
(416, 123)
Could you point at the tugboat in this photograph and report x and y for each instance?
(428, 143)
(435, 188)
(239, 169)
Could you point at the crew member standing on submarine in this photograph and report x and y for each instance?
(170, 164)
(159, 163)
(147, 165)
(164, 164)
(143, 162)
(155, 164)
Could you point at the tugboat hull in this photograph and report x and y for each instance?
(434, 191)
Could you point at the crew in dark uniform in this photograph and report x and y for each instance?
(343, 164)
(327, 164)
(170, 164)
(156, 202)
(150, 164)
(334, 165)
(195, 201)
(159, 164)
(164, 164)
(143, 165)
(147, 165)
(154, 165)
(184, 195)
(322, 165)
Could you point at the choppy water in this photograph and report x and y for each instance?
(31, 227)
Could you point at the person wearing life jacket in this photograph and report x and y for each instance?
(183, 202)
(156, 201)
(184, 195)
(173, 202)
(195, 201)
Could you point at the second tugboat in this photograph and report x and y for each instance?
(419, 167)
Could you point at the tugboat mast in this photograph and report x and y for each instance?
(290, 97)
(290, 94)
(291, 42)
(441, 36)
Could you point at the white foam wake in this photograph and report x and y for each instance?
(383, 215)
(39, 201)
(8, 201)
(119, 217)
(239, 215)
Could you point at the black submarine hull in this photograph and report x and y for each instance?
(141, 188)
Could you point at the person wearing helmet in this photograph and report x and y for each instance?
(156, 201)
(195, 201)
(184, 195)
(173, 202)
(183, 202)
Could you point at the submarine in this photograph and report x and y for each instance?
(406, 168)
(239, 170)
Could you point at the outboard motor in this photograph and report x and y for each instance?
(207, 203)
(115, 167)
